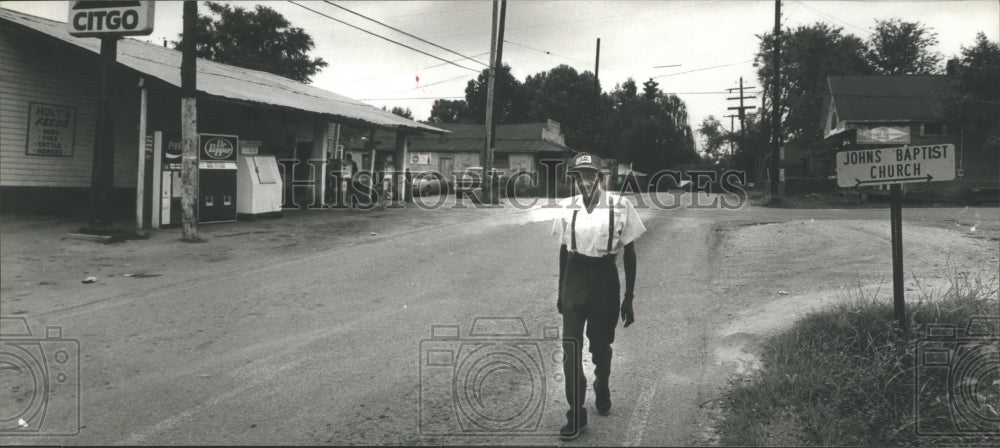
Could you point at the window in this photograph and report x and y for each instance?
(501, 160)
(932, 130)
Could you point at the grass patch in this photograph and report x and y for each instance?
(846, 376)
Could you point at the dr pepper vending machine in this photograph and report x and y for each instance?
(217, 177)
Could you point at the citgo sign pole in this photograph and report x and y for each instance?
(108, 20)
(895, 166)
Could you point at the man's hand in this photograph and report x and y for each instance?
(628, 315)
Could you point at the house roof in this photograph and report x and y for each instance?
(526, 137)
(523, 138)
(223, 80)
(889, 98)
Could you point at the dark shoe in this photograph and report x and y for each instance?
(603, 393)
(571, 430)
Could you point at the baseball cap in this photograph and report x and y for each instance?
(585, 161)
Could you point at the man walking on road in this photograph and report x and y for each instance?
(589, 291)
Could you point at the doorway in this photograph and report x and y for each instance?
(446, 165)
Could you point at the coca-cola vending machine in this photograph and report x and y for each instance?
(217, 177)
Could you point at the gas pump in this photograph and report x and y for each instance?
(217, 177)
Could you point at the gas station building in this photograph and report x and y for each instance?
(247, 119)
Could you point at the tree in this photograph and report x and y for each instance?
(510, 106)
(450, 111)
(624, 92)
(975, 103)
(650, 89)
(569, 97)
(716, 139)
(405, 113)
(258, 39)
(653, 134)
(809, 54)
(903, 48)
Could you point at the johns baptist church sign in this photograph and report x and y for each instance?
(110, 18)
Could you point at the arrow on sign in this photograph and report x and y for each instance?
(861, 182)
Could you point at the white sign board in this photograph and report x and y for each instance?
(885, 135)
(420, 158)
(96, 18)
(250, 147)
(905, 164)
(51, 130)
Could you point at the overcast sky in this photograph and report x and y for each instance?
(635, 37)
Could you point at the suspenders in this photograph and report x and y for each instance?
(611, 228)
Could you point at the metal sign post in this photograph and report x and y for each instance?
(895, 166)
(896, 231)
(108, 21)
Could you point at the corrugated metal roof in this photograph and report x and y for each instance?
(506, 131)
(476, 145)
(889, 98)
(225, 80)
(525, 137)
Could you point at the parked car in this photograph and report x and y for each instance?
(472, 179)
(428, 184)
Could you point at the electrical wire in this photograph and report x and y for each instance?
(407, 34)
(372, 78)
(703, 68)
(827, 16)
(547, 52)
(383, 37)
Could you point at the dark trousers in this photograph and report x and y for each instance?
(594, 307)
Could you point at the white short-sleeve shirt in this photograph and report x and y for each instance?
(591, 229)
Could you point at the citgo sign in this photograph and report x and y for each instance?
(110, 18)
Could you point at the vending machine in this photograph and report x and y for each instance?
(217, 170)
(166, 179)
(258, 181)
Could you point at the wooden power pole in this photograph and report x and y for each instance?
(776, 105)
(496, 55)
(490, 85)
(189, 125)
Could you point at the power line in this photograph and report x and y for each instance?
(404, 32)
(703, 68)
(827, 16)
(382, 37)
(547, 52)
(415, 98)
(383, 75)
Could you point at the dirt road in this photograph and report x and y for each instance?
(308, 330)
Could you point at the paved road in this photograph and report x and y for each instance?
(325, 348)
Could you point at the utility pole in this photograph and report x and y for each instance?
(597, 81)
(731, 117)
(490, 85)
(494, 192)
(776, 105)
(764, 139)
(189, 126)
(741, 112)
